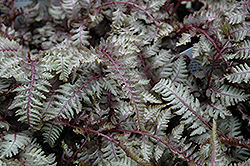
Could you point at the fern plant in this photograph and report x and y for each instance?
(103, 83)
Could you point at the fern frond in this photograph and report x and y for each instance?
(151, 113)
(13, 143)
(7, 32)
(11, 59)
(71, 8)
(111, 151)
(179, 97)
(206, 46)
(164, 31)
(235, 15)
(8, 48)
(65, 57)
(243, 50)
(134, 153)
(240, 73)
(215, 151)
(146, 148)
(67, 101)
(227, 94)
(33, 76)
(177, 142)
(51, 36)
(97, 157)
(126, 44)
(4, 85)
(126, 161)
(51, 132)
(162, 120)
(29, 96)
(80, 35)
(109, 85)
(216, 109)
(151, 50)
(197, 50)
(179, 73)
(118, 16)
(148, 97)
(204, 51)
(159, 150)
(230, 127)
(244, 163)
(155, 5)
(160, 60)
(60, 60)
(56, 12)
(186, 37)
(239, 31)
(34, 155)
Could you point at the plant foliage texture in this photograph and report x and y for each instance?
(103, 83)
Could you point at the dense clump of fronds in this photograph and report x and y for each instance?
(99, 71)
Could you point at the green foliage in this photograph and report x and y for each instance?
(101, 82)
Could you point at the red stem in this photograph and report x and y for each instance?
(30, 92)
(214, 62)
(77, 151)
(141, 133)
(175, 8)
(247, 5)
(158, 139)
(220, 51)
(78, 90)
(144, 65)
(190, 109)
(126, 85)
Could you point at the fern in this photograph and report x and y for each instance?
(113, 83)
(51, 132)
(12, 143)
(215, 148)
(35, 156)
(179, 72)
(80, 35)
(28, 152)
(186, 38)
(243, 50)
(177, 96)
(33, 75)
(238, 72)
(228, 94)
